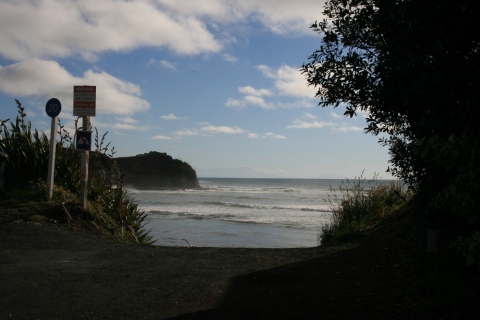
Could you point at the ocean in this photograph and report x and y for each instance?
(249, 213)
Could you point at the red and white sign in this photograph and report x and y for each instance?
(84, 101)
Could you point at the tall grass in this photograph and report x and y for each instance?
(27, 150)
(359, 205)
(111, 208)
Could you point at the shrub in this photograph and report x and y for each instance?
(111, 208)
(359, 205)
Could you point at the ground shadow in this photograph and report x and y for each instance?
(369, 281)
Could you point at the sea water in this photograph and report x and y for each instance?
(255, 213)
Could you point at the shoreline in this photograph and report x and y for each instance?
(50, 271)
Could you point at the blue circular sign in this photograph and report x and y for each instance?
(53, 107)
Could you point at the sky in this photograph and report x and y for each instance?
(214, 83)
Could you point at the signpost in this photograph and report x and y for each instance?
(84, 140)
(84, 101)
(84, 105)
(52, 108)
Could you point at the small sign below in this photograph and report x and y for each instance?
(84, 140)
(53, 107)
(84, 101)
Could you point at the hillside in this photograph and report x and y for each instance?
(158, 170)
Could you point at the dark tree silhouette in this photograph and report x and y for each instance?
(414, 66)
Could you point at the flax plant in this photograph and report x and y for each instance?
(111, 208)
(110, 199)
(27, 150)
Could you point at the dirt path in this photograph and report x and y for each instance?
(48, 271)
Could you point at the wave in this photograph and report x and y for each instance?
(301, 221)
(195, 216)
(267, 207)
(249, 189)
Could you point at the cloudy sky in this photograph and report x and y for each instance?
(214, 83)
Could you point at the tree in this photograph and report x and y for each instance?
(414, 66)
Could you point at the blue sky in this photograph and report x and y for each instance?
(214, 83)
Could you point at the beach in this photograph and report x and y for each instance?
(238, 212)
(49, 271)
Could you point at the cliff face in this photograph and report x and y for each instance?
(155, 169)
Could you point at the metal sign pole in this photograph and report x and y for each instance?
(84, 167)
(51, 159)
(52, 108)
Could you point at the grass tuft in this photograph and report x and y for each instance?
(359, 205)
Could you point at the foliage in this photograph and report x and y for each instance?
(414, 67)
(359, 205)
(27, 150)
(110, 200)
(116, 210)
(111, 207)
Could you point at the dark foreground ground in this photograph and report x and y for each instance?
(48, 271)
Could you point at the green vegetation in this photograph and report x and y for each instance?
(359, 205)
(111, 210)
(414, 68)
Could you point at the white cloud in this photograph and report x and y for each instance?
(310, 116)
(254, 97)
(127, 120)
(288, 81)
(336, 115)
(210, 8)
(284, 16)
(268, 135)
(280, 16)
(169, 116)
(248, 90)
(221, 129)
(87, 28)
(345, 128)
(229, 58)
(119, 127)
(168, 65)
(275, 136)
(124, 126)
(30, 78)
(235, 103)
(258, 101)
(187, 132)
(207, 130)
(299, 124)
(65, 28)
(314, 124)
(45, 78)
(160, 137)
(163, 64)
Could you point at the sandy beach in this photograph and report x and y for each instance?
(49, 271)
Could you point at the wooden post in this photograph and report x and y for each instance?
(84, 168)
(51, 159)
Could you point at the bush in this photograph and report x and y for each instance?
(110, 207)
(359, 205)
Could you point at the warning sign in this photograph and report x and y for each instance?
(84, 140)
(84, 101)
